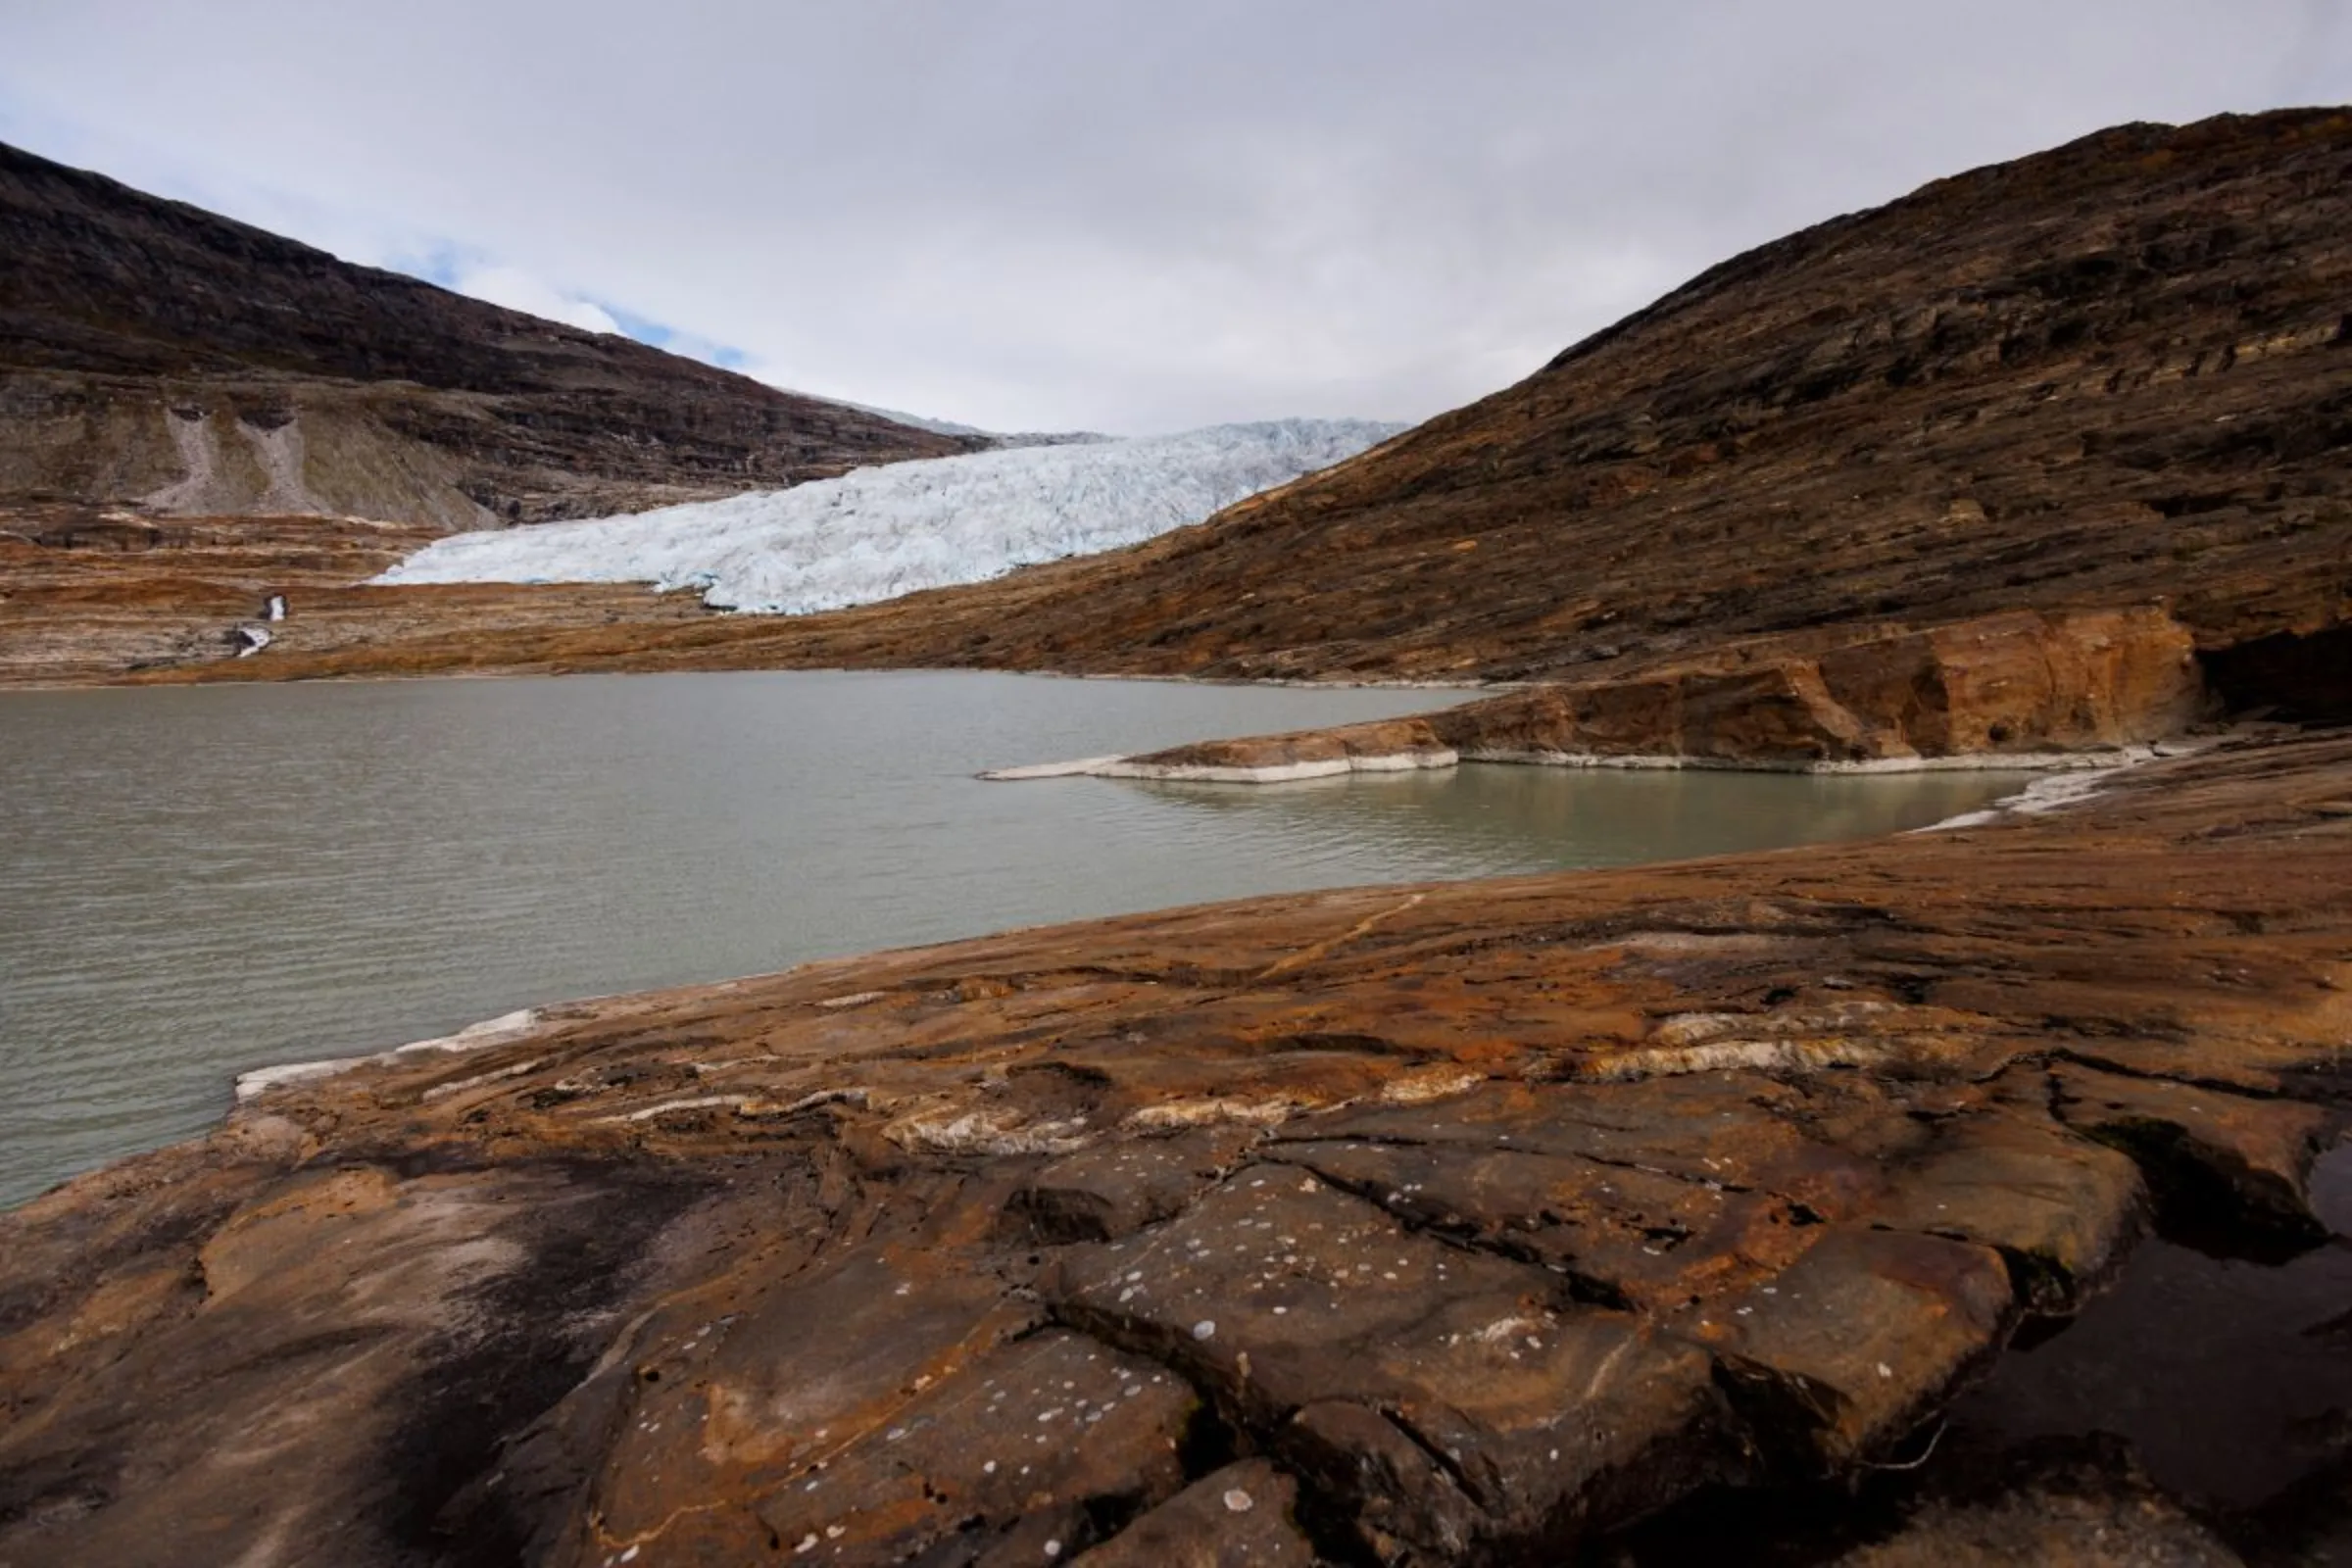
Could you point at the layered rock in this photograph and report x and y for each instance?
(2023, 688)
(1452, 1223)
(154, 354)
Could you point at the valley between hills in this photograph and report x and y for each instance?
(1714, 1210)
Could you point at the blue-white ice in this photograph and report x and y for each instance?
(880, 532)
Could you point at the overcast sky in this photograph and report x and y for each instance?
(1100, 214)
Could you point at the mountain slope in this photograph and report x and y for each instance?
(153, 353)
(2117, 370)
(2110, 374)
(886, 531)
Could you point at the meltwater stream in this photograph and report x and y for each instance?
(194, 882)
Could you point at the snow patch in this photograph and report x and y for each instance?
(2057, 793)
(2061, 791)
(1083, 767)
(498, 1031)
(881, 533)
(1277, 772)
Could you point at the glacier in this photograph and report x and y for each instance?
(876, 533)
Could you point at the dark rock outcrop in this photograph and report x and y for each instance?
(2024, 685)
(154, 353)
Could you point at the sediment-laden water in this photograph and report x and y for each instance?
(194, 882)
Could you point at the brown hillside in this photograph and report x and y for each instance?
(2117, 370)
(2107, 376)
(153, 353)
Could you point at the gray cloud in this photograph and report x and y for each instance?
(1112, 214)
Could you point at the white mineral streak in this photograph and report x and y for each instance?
(1212, 1112)
(1440, 1083)
(666, 1107)
(956, 1131)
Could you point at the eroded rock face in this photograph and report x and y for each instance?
(1464, 1223)
(152, 353)
(2023, 685)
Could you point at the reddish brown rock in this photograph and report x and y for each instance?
(2060, 1207)
(1236, 1517)
(2017, 685)
(1280, 1294)
(1114, 1190)
(1856, 1345)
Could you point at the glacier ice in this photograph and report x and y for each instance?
(880, 532)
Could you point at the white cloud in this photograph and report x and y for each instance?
(518, 290)
(1058, 214)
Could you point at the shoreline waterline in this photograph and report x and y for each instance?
(1441, 759)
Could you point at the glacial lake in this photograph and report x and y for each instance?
(194, 882)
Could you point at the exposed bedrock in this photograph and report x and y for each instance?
(2025, 685)
(1408, 1225)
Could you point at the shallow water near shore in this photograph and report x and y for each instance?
(196, 882)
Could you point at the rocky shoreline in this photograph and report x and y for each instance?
(2078, 689)
(1492, 1222)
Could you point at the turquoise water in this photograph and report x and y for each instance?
(205, 880)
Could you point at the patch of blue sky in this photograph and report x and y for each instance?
(441, 262)
(645, 329)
